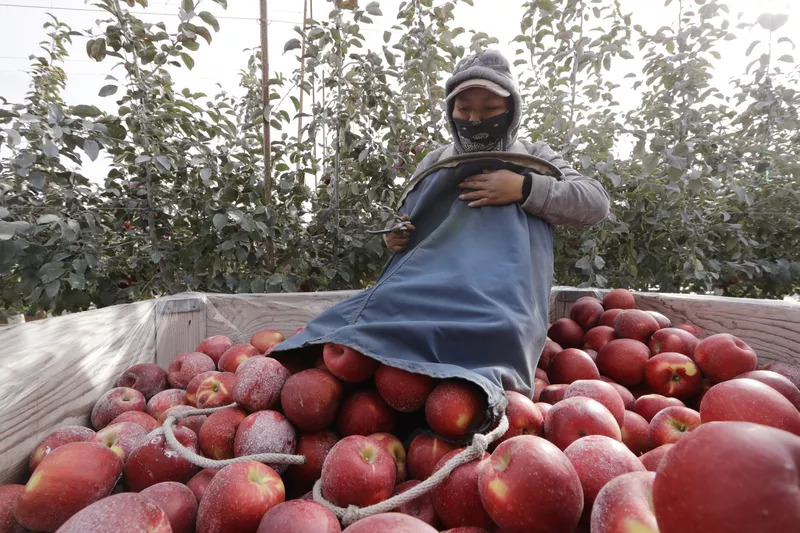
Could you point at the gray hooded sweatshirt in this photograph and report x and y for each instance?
(575, 200)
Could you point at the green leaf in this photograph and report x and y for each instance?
(187, 5)
(205, 174)
(76, 281)
(374, 9)
(86, 111)
(13, 137)
(142, 159)
(47, 219)
(751, 47)
(52, 288)
(91, 148)
(204, 33)
(209, 19)
(3, 212)
(387, 36)
(163, 162)
(156, 257)
(772, 22)
(223, 3)
(599, 262)
(37, 180)
(228, 245)
(50, 149)
(786, 58)
(187, 60)
(291, 44)
(108, 90)
(220, 220)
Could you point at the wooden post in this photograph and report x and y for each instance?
(267, 111)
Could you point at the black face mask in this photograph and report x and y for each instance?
(483, 135)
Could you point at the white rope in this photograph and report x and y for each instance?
(480, 443)
(205, 462)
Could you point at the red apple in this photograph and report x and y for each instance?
(619, 299)
(8, 502)
(567, 333)
(114, 403)
(467, 530)
(571, 365)
(194, 384)
(792, 372)
(549, 351)
(597, 337)
(550, 501)
(523, 417)
(404, 391)
(358, 471)
(164, 400)
(395, 448)
(778, 382)
(455, 408)
(730, 477)
(623, 361)
(265, 432)
(722, 357)
(299, 516)
(258, 384)
(671, 424)
(390, 523)
(749, 400)
(607, 318)
(154, 461)
(663, 321)
(457, 499)
(424, 454)
(186, 366)
(597, 460)
(147, 378)
(624, 505)
(365, 413)
(120, 438)
(674, 375)
(649, 405)
(652, 459)
(627, 396)
(177, 501)
(266, 339)
(194, 422)
(315, 448)
(635, 324)
(636, 433)
(347, 364)
(214, 347)
(553, 394)
(673, 340)
(59, 437)
(236, 355)
(238, 498)
(573, 418)
(67, 480)
(592, 354)
(310, 399)
(421, 507)
(542, 374)
(538, 386)
(216, 390)
(199, 483)
(137, 417)
(543, 408)
(691, 328)
(586, 311)
(128, 512)
(600, 391)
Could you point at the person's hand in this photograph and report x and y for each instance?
(498, 187)
(397, 241)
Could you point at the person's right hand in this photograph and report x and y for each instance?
(397, 241)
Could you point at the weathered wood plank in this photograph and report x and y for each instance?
(240, 316)
(54, 371)
(770, 327)
(180, 324)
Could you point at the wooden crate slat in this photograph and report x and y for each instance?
(180, 326)
(55, 370)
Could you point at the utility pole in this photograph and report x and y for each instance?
(266, 109)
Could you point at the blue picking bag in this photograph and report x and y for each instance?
(468, 299)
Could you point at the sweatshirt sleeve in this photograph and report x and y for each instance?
(576, 200)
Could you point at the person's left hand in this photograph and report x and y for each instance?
(498, 187)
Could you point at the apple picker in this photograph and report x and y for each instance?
(466, 293)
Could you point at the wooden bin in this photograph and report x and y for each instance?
(54, 370)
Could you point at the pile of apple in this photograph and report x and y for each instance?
(634, 426)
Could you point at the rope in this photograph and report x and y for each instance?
(480, 443)
(205, 462)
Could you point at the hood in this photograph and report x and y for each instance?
(492, 66)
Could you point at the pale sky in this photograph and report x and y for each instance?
(21, 31)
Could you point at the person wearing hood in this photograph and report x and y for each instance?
(484, 109)
(466, 294)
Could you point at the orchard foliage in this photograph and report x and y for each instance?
(704, 178)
